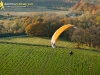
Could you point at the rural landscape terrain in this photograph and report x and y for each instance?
(26, 32)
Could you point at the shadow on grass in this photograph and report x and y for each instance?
(93, 50)
(28, 44)
(23, 44)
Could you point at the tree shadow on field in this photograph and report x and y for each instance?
(48, 38)
(93, 50)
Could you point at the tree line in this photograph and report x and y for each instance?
(46, 24)
(94, 9)
(87, 31)
(89, 36)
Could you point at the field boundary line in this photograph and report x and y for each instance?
(28, 44)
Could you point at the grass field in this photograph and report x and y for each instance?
(42, 59)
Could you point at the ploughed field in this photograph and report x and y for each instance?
(35, 56)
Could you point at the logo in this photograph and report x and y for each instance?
(5, 5)
(1, 5)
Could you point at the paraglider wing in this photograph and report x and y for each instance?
(57, 34)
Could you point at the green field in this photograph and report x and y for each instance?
(35, 56)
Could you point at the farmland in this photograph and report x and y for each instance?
(35, 56)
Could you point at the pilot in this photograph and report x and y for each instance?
(71, 53)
